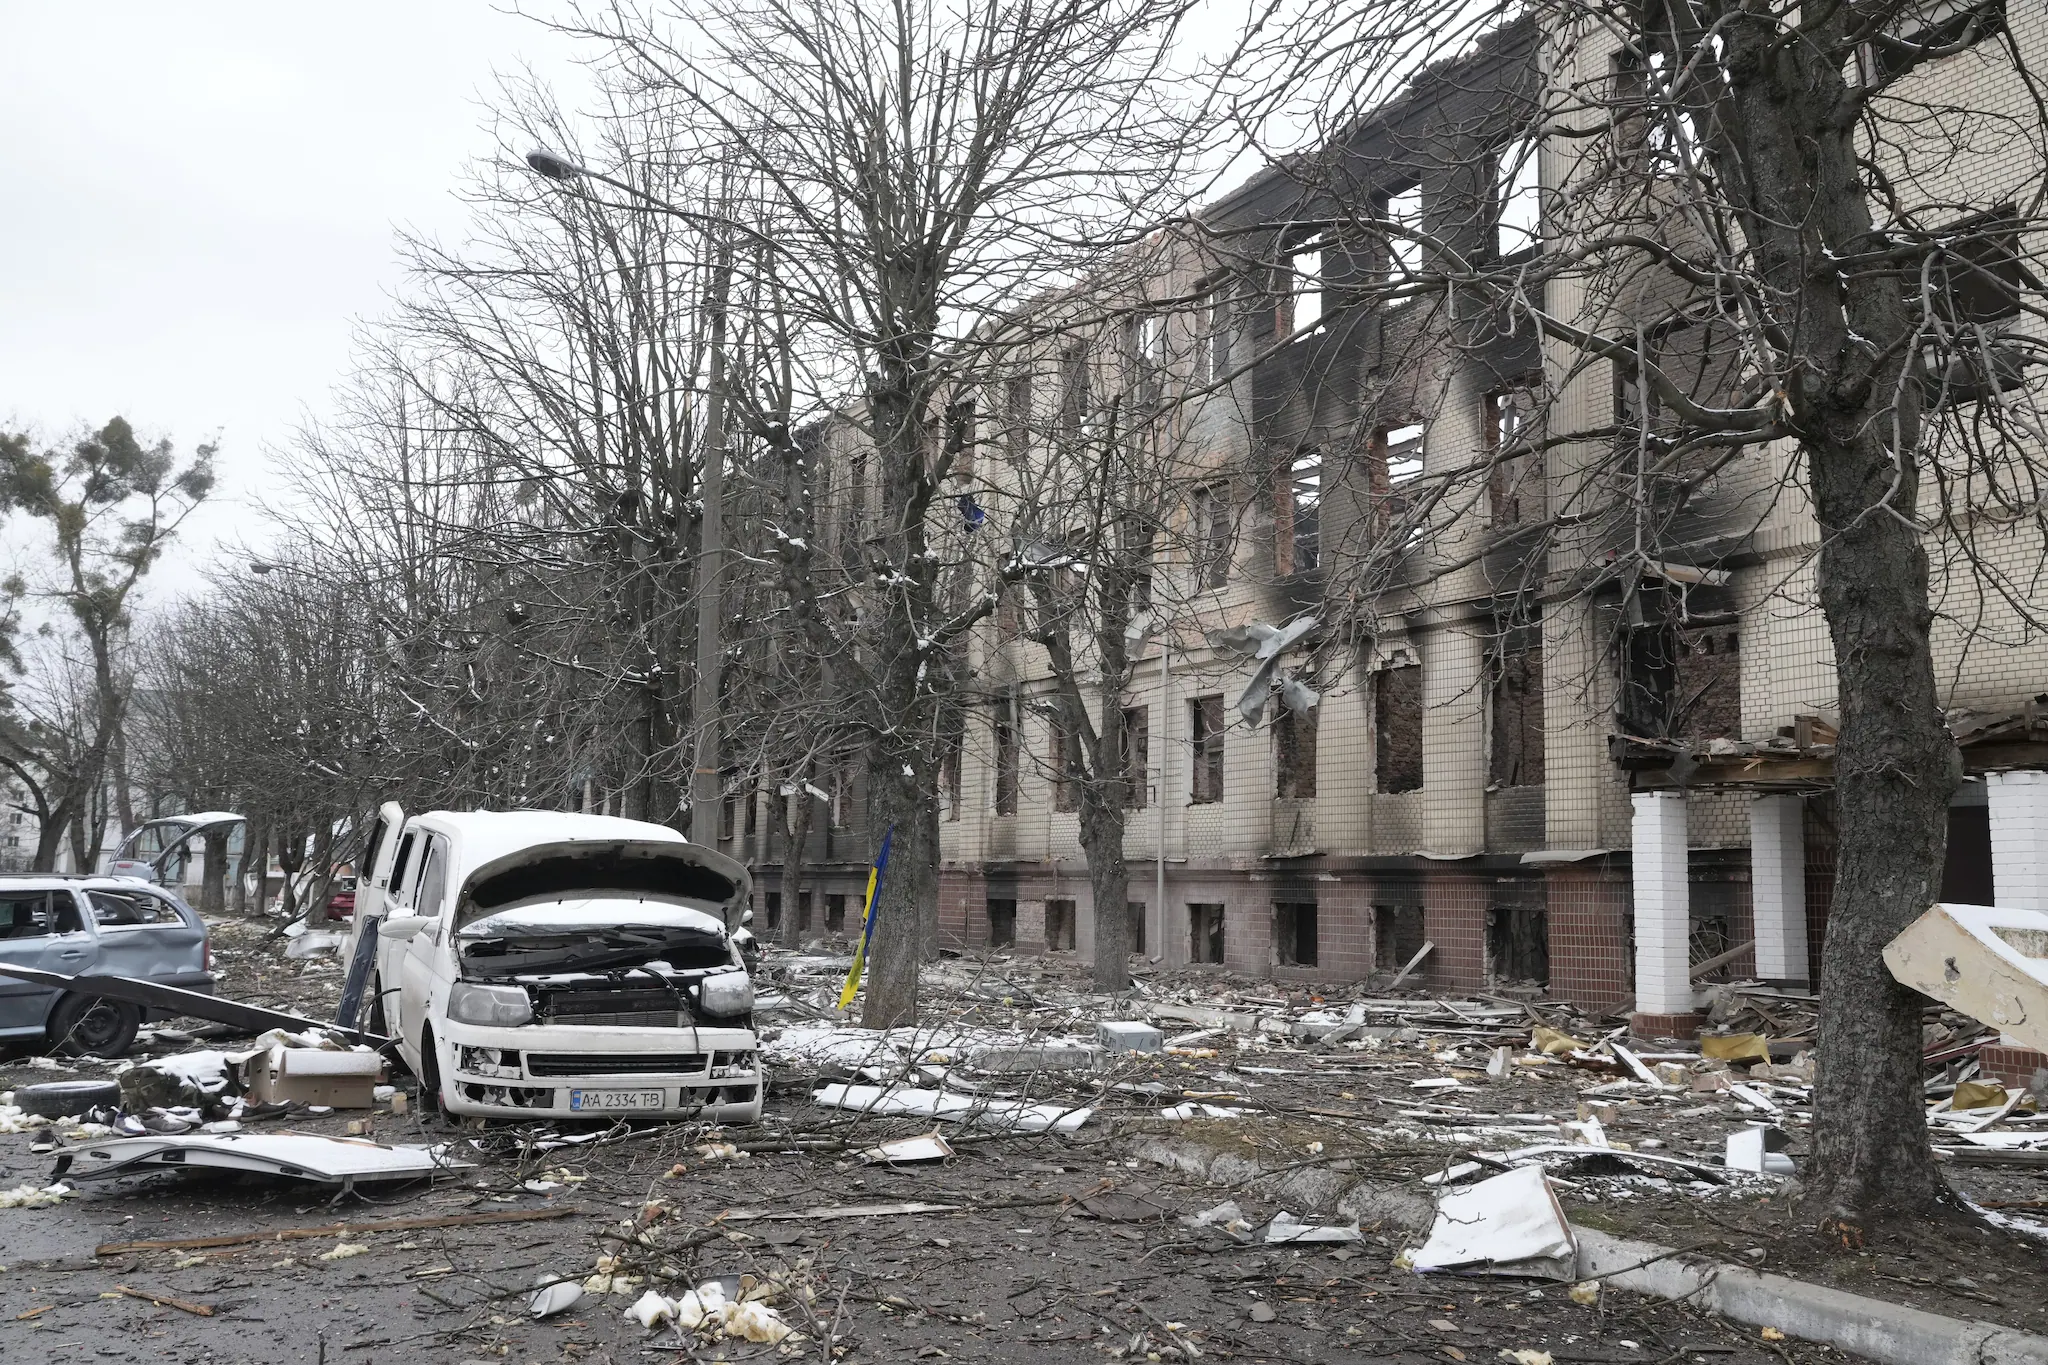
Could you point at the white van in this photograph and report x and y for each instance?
(539, 964)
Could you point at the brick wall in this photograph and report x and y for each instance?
(1589, 933)
(1454, 911)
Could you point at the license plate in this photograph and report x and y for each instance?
(615, 1099)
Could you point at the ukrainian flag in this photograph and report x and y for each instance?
(867, 927)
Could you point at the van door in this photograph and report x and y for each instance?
(397, 895)
(380, 856)
(418, 969)
(373, 881)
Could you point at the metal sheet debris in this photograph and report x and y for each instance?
(1509, 1225)
(299, 1156)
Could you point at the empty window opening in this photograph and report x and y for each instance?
(1002, 924)
(1205, 932)
(1304, 288)
(1294, 933)
(774, 910)
(835, 914)
(1134, 744)
(1397, 730)
(1065, 761)
(1294, 752)
(1006, 766)
(1301, 504)
(1518, 945)
(1205, 735)
(1135, 911)
(1401, 452)
(1211, 517)
(1514, 477)
(1212, 363)
(1059, 926)
(1517, 198)
(1515, 758)
(1402, 211)
(803, 911)
(1017, 413)
(1398, 933)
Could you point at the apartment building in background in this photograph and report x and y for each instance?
(1541, 755)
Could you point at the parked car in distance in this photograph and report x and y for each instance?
(92, 926)
(536, 964)
(341, 901)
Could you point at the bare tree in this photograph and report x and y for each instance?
(926, 166)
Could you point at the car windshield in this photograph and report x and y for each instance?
(591, 934)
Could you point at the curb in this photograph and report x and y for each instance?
(1887, 1333)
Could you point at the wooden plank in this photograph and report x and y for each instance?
(453, 1220)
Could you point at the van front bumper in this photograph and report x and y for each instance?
(566, 1071)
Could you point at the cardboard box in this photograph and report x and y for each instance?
(340, 1080)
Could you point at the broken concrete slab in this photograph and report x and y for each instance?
(1990, 963)
(1020, 1061)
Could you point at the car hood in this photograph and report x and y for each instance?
(610, 870)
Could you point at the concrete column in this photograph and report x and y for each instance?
(2019, 839)
(1663, 913)
(1777, 880)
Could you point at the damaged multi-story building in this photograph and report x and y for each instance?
(1534, 729)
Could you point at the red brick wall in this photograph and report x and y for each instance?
(963, 910)
(1589, 918)
(1454, 916)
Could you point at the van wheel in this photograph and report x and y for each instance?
(89, 1026)
(375, 1023)
(430, 1076)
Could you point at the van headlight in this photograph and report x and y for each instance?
(727, 994)
(501, 1006)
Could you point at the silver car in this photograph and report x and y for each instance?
(92, 926)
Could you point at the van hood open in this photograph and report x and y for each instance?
(585, 869)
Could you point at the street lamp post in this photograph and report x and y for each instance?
(704, 774)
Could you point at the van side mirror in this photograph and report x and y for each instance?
(402, 928)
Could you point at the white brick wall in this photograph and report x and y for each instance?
(1777, 860)
(1663, 908)
(2019, 839)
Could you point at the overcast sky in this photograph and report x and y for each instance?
(200, 201)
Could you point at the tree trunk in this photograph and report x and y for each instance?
(1795, 159)
(291, 856)
(900, 799)
(50, 835)
(213, 873)
(798, 832)
(1102, 839)
(251, 840)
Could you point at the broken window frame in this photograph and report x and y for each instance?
(1515, 708)
(1209, 517)
(1517, 197)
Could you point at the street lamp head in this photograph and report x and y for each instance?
(552, 166)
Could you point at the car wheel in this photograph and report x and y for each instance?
(89, 1026)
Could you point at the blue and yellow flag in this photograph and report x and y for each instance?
(867, 927)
